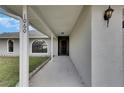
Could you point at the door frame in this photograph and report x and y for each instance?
(67, 38)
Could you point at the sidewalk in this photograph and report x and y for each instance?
(59, 73)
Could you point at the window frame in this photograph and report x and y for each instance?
(40, 52)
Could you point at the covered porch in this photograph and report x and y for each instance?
(92, 59)
(59, 73)
(55, 22)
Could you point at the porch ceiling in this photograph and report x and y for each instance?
(47, 19)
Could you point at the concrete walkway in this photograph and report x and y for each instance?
(59, 73)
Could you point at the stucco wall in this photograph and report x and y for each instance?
(3, 48)
(80, 45)
(106, 47)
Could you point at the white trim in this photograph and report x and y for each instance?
(40, 40)
(10, 14)
(8, 46)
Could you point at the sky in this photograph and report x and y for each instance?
(9, 24)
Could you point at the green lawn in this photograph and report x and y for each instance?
(9, 69)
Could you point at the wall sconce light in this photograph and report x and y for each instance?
(108, 14)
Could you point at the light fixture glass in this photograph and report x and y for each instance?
(108, 14)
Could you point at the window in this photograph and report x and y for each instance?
(39, 46)
(10, 46)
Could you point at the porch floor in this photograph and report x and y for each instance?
(59, 73)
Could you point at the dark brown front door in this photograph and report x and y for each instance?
(63, 45)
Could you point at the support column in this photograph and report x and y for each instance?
(24, 56)
(51, 47)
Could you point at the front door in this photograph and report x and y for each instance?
(63, 45)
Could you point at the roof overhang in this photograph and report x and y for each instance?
(34, 19)
(49, 19)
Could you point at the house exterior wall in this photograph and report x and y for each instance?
(107, 68)
(80, 46)
(4, 51)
